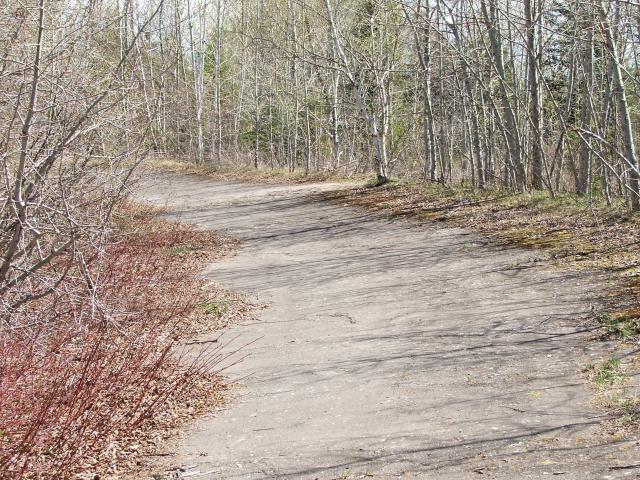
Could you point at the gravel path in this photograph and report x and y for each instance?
(392, 350)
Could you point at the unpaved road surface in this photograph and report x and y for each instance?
(392, 350)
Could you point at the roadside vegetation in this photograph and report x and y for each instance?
(240, 173)
(93, 379)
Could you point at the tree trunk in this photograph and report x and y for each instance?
(511, 127)
(623, 110)
(532, 17)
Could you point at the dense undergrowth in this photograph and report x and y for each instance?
(95, 375)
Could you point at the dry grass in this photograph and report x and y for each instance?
(230, 173)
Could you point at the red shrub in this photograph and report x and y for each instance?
(83, 369)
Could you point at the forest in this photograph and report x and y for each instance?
(516, 94)
(512, 96)
(519, 95)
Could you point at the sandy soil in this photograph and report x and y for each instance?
(392, 350)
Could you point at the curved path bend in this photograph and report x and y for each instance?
(390, 349)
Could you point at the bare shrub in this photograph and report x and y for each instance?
(89, 373)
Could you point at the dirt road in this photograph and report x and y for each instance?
(392, 350)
